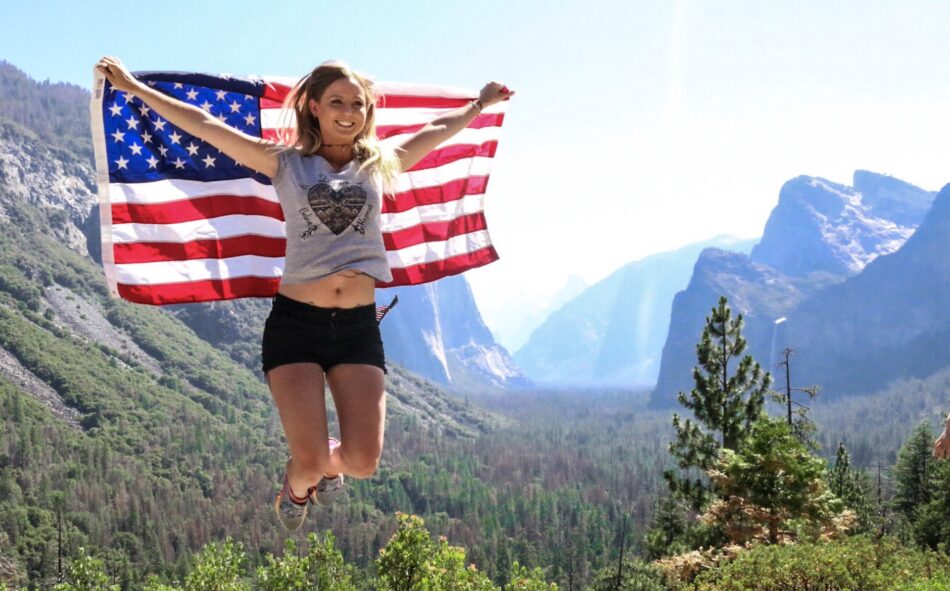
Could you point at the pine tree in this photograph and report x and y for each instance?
(724, 405)
(774, 490)
(853, 487)
(913, 471)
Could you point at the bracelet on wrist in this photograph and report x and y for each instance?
(477, 104)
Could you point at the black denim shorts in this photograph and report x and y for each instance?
(296, 332)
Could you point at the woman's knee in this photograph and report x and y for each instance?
(311, 459)
(362, 463)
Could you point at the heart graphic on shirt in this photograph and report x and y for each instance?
(336, 208)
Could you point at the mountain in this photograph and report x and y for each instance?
(820, 234)
(437, 331)
(612, 333)
(761, 294)
(891, 321)
(822, 226)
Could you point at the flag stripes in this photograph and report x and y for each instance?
(171, 237)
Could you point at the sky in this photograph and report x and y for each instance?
(637, 127)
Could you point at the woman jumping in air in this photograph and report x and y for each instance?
(322, 327)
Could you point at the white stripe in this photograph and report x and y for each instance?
(466, 136)
(428, 252)
(166, 191)
(433, 177)
(423, 90)
(218, 228)
(199, 270)
(436, 212)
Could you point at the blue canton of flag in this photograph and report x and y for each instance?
(141, 146)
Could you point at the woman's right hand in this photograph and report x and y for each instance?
(117, 74)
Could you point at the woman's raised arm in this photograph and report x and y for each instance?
(437, 131)
(253, 152)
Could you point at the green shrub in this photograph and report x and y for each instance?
(322, 568)
(413, 561)
(86, 573)
(860, 562)
(218, 567)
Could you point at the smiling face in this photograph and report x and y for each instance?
(341, 111)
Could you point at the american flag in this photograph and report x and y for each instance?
(181, 222)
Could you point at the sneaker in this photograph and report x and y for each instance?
(290, 511)
(328, 489)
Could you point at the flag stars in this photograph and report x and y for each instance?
(152, 161)
(159, 124)
(119, 136)
(178, 85)
(144, 109)
(136, 149)
(206, 106)
(235, 107)
(192, 149)
(116, 110)
(163, 150)
(192, 94)
(250, 119)
(175, 137)
(221, 94)
(179, 163)
(146, 137)
(222, 118)
(209, 161)
(122, 163)
(132, 122)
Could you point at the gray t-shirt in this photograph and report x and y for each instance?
(332, 218)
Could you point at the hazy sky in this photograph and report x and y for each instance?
(638, 126)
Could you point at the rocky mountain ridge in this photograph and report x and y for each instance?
(820, 239)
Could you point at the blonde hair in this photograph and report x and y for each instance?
(367, 150)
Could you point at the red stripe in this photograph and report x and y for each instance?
(434, 231)
(151, 252)
(200, 291)
(444, 193)
(408, 101)
(274, 95)
(269, 133)
(198, 208)
(425, 272)
(454, 153)
(480, 122)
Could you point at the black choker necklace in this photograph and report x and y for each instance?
(336, 145)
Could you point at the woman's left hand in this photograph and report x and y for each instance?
(494, 92)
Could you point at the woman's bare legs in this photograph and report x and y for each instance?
(360, 402)
(297, 389)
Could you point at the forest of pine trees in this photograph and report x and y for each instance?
(771, 512)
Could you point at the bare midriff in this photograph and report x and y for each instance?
(346, 289)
